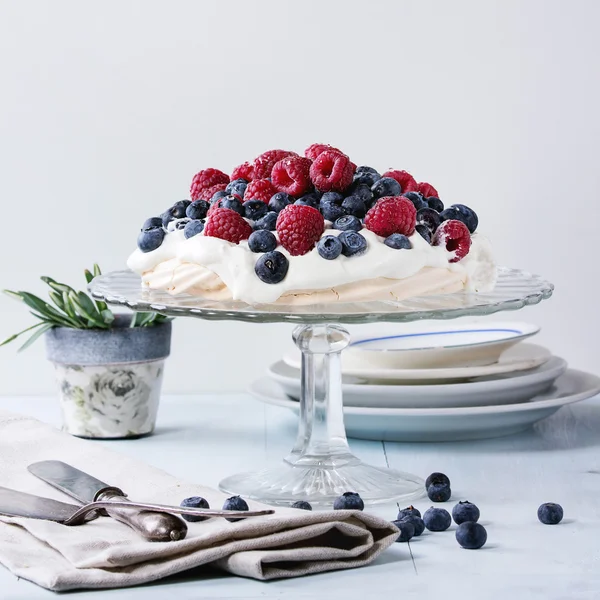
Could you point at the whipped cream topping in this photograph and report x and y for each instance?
(234, 264)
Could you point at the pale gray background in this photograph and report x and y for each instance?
(108, 108)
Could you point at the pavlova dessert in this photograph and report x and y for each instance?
(291, 229)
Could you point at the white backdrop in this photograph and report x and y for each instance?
(108, 108)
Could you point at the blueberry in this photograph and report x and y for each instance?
(398, 242)
(272, 267)
(409, 511)
(437, 519)
(150, 239)
(235, 503)
(363, 191)
(177, 211)
(302, 505)
(152, 223)
(267, 222)
(353, 205)
(439, 492)
(331, 212)
(407, 530)
(437, 478)
(194, 502)
(386, 186)
(417, 523)
(279, 201)
(429, 217)
(347, 223)
(462, 213)
(255, 209)
(218, 195)
(181, 223)
(237, 186)
(193, 227)
(424, 232)
(352, 243)
(366, 175)
(197, 209)
(465, 511)
(329, 247)
(349, 501)
(331, 197)
(550, 513)
(262, 240)
(417, 199)
(309, 200)
(435, 203)
(471, 535)
(233, 203)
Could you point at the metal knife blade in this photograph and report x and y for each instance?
(19, 504)
(154, 526)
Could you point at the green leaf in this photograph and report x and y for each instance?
(107, 316)
(83, 309)
(14, 295)
(57, 299)
(88, 276)
(47, 311)
(59, 287)
(70, 310)
(16, 335)
(45, 327)
(97, 270)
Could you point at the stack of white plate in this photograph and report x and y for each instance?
(442, 382)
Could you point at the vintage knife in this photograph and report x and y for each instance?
(154, 526)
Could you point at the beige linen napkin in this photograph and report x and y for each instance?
(105, 553)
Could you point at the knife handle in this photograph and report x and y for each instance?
(154, 526)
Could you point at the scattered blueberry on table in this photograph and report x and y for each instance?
(302, 505)
(550, 513)
(417, 523)
(194, 502)
(407, 530)
(439, 492)
(349, 501)
(437, 478)
(465, 511)
(235, 503)
(437, 519)
(471, 535)
(409, 511)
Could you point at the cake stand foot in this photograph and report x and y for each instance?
(320, 466)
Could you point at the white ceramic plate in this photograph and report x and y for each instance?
(449, 424)
(429, 345)
(521, 357)
(501, 389)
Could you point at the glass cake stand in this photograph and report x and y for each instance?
(320, 466)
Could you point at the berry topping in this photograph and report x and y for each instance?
(217, 195)
(205, 179)
(233, 203)
(435, 203)
(550, 513)
(210, 192)
(309, 200)
(407, 530)
(181, 223)
(332, 212)
(331, 171)
(255, 209)
(471, 535)
(353, 205)
(437, 519)
(406, 180)
(302, 505)
(194, 502)
(299, 228)
(262, 241)
(150, 239)
(279, 201)
(197, 209)
(398, 242)
(391, 215)
(386, 186)
(332, 197)
(362, 191)
(417, 199)
(352, 243)
(463, 213)
(291, 175)
(152, 223)
(227, 225)
(263, 164)
(272, 267)
(348, 501)
(424, 232)
(366, 175)
(427, 190)
(192, 228)
(243, 171)
(267, 222)
(329, 247)
(314, 150)
(429, 217)
(177, 211)
(235, 503)
(237, 187)
(260, 189)
(455, 236)
(465, 511)
(347, 223)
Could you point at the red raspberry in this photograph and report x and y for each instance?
(406, 180)
(332, 171)
(209, 192)
(227, 225)
(314, 150)
(291, 175)
(392, 214)
(455, 236)
(205, 179)
(426, 189)
(263, 164)
(259, 189)
(299, 227)
(243, 171)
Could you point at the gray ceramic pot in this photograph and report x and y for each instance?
(109, 380)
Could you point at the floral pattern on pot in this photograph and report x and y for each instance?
(110, 401)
